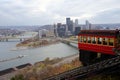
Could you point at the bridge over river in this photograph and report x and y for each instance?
(72, 43)
(2, 39)
(22, 37)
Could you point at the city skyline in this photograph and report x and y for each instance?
(41, 12)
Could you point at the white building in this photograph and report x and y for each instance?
(87, 25)
(76, 22)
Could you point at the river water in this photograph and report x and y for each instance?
(32, 55)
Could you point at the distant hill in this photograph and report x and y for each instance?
(111, 26)
(28, 28)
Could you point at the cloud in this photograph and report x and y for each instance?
(108, 16)
(39, 12)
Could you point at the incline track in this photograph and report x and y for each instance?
(82, 71)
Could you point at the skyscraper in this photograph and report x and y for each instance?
(61, 30)
(76, 22)
(77, 30)
(88, 25)
(55, 30)
(68, 21)
(69, 24)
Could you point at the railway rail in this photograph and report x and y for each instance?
(82, 71)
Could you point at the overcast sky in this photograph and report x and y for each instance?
(40, 12)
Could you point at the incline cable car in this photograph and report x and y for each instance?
(92, 42)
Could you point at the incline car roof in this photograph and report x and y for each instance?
(100, 32)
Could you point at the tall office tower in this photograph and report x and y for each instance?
(76, 22)
(87, 25)
(61, 30)
(68, 21)
(58, 28)
(40, 34)
(77, 30)
(69, 24)
(55, 30)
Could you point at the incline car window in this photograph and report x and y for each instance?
(111, 41)
(105, 41)
(93, 40)
(84, 39)
(99, 40)
(89, 39)
(80, 38)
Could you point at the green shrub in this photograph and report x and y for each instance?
(18, 77)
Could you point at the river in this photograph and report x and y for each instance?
(32, 55)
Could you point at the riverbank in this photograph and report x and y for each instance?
(30, 44)
(14, 58)
(32, 55)
(19, 48)
(57, 65)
